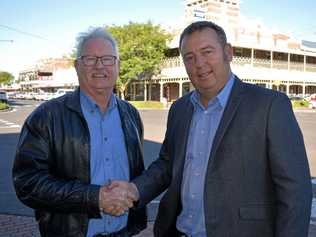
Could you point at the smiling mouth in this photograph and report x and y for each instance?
(99, 76)
(205, 74)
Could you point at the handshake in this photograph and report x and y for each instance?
(117, 197)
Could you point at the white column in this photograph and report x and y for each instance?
(252, 56)
(134, 91)
(145, 91)
(287, 88)
(161, 91)
(180, 89)
(149, 91)
(303, 88)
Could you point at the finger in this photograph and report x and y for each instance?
(114, 184)
(131, 195)
(118, 211)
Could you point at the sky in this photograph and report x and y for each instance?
(34, 29)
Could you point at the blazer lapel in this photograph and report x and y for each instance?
(182, 136)
(230, 110)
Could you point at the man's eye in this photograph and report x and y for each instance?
(89, 58)
(207, 52)
(188, 58)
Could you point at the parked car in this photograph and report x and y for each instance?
(312, 103)
(61, 92)
(3, 97)
(296, 98)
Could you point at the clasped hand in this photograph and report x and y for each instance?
(117, 197)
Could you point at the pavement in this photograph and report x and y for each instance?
(17, 221)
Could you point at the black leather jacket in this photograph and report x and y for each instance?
(51, 171)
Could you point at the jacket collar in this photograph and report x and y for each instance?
(73, 102)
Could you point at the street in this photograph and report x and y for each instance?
(154, 127)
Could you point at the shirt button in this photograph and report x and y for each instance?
(202, 131)
(200, 153)
(197, 174)
(190, 216)
(193, 196)
(106, 159)
(205, 112)
(105, 138)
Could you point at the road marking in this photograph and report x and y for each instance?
(304, 111)
(8, 124)
(313, 208)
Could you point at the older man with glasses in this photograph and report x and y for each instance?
(71, 147)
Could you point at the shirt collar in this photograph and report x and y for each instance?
(222, 96)
(91, 105)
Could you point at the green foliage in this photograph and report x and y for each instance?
(147, 104)
(299, 103)
(142, 47)
(6, 77)
(3, 106)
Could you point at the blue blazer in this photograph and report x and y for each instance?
(257, 183)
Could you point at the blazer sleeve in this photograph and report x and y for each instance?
(289, 170)
(157, 177)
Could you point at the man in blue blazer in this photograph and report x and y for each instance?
(233, 159)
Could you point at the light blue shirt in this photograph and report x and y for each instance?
(203, 127)
(108, 156)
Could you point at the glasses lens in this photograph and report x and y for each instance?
(89, 61)
(108, 60)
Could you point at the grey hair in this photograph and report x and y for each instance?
(95, 32)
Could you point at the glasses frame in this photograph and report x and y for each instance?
(96, 58)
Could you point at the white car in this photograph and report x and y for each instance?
(312, 104)
(61, 92)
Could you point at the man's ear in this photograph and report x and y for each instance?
(76, 64)
(228, 52)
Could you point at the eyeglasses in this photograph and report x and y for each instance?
(106, 60)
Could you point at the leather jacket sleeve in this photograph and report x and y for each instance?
(34, 166)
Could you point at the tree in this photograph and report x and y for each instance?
(142, 47)
(6, 77)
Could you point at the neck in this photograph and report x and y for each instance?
(103, 101)
(102, 98)
(207, 95)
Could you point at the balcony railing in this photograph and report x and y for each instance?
(241, 61)
(266, 63)
(310, 67)
(172, 62)
(261, 63)
(278, 64)
(296, 66)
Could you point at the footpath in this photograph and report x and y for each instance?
(19, 226)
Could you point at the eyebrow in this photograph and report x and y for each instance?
(207, 47)
(203, 48)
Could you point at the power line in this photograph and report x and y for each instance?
(10, 41)
(22, 32)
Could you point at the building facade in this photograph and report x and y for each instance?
(270, 59)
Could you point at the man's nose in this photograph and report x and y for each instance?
(99, 63)
(199, 61)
